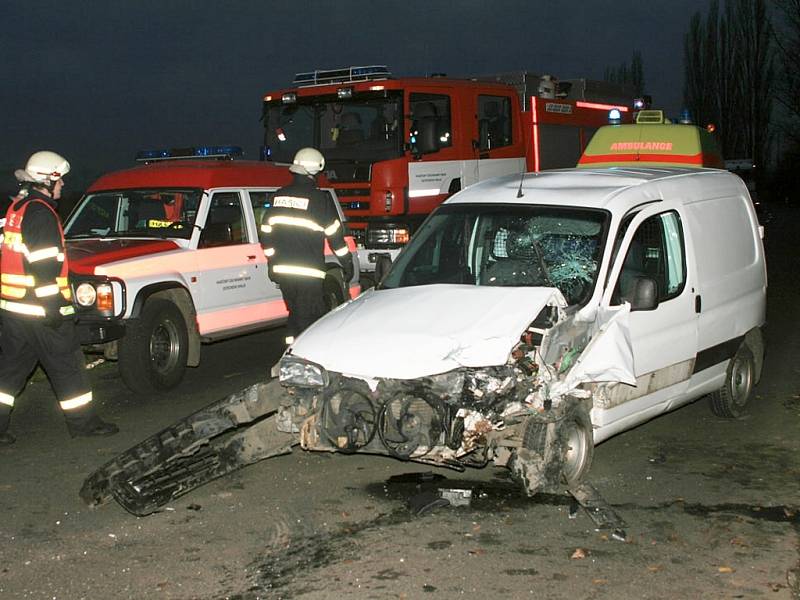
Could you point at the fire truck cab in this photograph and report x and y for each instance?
(397, 148)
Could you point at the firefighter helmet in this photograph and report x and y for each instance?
(307, 161)
(43, 167)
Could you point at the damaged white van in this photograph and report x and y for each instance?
(533, 317)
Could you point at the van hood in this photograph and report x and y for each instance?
(86, 255)
(412, 332)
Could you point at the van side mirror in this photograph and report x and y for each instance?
(644, 295)
(216, 234)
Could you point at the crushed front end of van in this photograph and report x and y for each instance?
(480, 375)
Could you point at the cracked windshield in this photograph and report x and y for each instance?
(135, 213)
(531, 246)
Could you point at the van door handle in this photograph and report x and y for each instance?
(251, 257)
(698, 303)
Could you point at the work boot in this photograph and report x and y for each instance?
(92, 428)
(6, 439)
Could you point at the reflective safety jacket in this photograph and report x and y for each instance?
(33, 265)
(294, 229)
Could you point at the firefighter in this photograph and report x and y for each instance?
(36, 302)
(293, 234)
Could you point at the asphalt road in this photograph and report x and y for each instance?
(712, 506)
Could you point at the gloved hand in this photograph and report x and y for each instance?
(52, 319)
(347, 264)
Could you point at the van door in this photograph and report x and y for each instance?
(664, 340)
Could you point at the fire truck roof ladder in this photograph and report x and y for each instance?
(346, 75)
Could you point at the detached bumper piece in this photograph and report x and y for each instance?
(223, 437)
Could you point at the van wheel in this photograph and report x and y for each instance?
(153, 352)
(332, 291)
(564, 449)
(730, 400)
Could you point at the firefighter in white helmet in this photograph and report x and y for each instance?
(36, 301)
(293, 234)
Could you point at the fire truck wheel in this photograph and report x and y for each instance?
(333, 289)
(152, 354)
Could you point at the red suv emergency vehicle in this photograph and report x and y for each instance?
(165, 256)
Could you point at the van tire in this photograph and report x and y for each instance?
(153, 352)
(730, 400)
(574, 441)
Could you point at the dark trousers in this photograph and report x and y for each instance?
(304, 300)
(27, 342)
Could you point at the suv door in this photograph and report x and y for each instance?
(231, 267)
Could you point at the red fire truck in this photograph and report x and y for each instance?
(396, 148)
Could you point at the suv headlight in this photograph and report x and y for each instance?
(299, 372)
(99, 295)
(85, 294)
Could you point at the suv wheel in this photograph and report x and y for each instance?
(152, 355)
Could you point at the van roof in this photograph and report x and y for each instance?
(617, 189)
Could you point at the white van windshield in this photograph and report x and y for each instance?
(515, 246)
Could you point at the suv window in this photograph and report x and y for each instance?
(494, 122)
(656, 251)
(225, 222)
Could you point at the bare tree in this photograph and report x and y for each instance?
(628, 73)
(788, 88)
(730, 74)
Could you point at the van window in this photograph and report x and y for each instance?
(656, 251)
(494, 122)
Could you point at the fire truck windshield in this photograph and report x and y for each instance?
(366, 127)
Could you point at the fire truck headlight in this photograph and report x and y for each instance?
(105, 297)
(85, 294)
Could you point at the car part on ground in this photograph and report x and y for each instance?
(221, 438)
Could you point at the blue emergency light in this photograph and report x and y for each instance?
(614, 116)
(228, 152)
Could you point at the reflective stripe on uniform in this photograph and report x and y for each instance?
(46, 290)
(296, 270)
(44, 254)
(67, 310)
(6, 399)
(76, 402)
(341, 251)
(12, 292)
(26, 280)
(297, 202)
(295, 222)
(332, 228)
(24, 309)
(266, 229)
(269, 252)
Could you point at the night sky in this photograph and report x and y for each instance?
(99, 80)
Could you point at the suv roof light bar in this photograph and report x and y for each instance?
(220, 152)
(345, 75)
